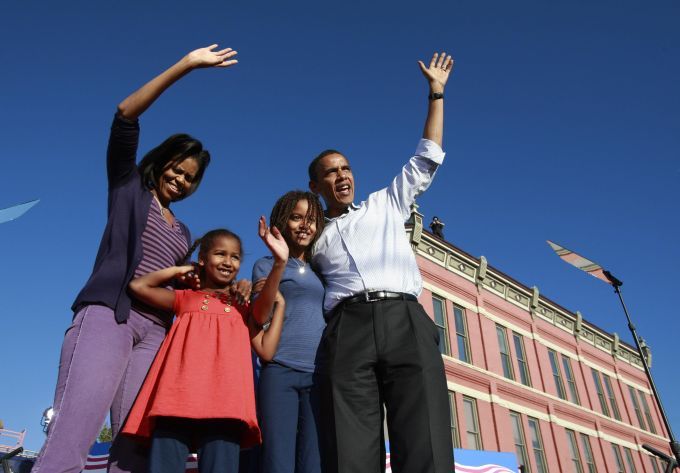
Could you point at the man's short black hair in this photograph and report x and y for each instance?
(315, 162)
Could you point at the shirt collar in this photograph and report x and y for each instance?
(351, 206)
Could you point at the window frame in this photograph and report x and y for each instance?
(574, 450)
(462, 335)
(504, 349)
(453, 420)
(629, 460)
(521, 357)
(442, 329)
(538, 448)
(636, 407)
(599, 390)
(609, 391)
(557, 374)
(618, 458)
(521, 448)
(571, 381)
(647, 412)
(588, 449)
(476, 433)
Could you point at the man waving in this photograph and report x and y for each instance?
(380, 347)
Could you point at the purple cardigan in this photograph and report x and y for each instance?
(120, 249)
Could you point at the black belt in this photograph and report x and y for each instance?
(375, 296)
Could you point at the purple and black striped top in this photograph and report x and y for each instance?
(163, 245)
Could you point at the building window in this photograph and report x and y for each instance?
(629, 460)
(588, 452)
(619, 460)
(600, 392)
(610, 395)
(537, 445)
(557, 376)
(655, 464)
(636, 407)
(506, 360)
(648, 413)
(455, 437)
(520, 354)
(520, 443)
(474, 440)
(573, 451)
(439, 306)
(571, 382)
(462, 335)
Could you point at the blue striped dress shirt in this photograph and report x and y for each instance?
(366, 249)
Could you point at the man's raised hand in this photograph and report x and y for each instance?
(438, 71)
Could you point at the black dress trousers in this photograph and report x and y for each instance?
(383, 352)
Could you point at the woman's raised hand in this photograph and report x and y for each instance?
(274, 240)
(208, 57)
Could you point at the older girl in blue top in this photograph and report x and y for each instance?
(287, 395)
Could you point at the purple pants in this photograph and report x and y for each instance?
(102, 366)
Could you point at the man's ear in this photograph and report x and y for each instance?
(314, 187)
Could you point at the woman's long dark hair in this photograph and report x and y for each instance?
(284, 207)
(172, 151)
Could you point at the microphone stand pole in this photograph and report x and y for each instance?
(675, 446)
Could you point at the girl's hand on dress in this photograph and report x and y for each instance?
(274, 240)
(208, 57)
(241, 290)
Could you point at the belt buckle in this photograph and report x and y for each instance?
(367, 296)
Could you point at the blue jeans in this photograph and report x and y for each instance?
(217, 442)
(288, 409)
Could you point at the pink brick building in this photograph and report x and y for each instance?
(527, 376)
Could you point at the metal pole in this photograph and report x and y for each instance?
(675, 446)
(4, 459)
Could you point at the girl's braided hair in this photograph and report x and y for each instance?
(284, 207)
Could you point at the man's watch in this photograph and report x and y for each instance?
(435, 96)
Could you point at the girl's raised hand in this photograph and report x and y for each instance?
(188, 277)
(208, 57)
(274, 240)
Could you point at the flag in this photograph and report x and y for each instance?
(16, 211)
(490, 468)
(580, 262)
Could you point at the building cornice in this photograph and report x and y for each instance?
(488, 278)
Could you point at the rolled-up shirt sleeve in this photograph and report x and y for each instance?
(416, 176)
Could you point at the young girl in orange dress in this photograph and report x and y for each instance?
(199, 393)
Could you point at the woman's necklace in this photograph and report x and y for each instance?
(301, 266)
(163, 209)
(224, 298)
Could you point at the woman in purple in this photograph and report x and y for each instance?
(113, 339)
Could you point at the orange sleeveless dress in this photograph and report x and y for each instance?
(203, 369)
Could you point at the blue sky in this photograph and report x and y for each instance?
(562, 122)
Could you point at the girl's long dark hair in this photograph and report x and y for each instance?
(284, 207)
(174, 150)
(206, 242)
